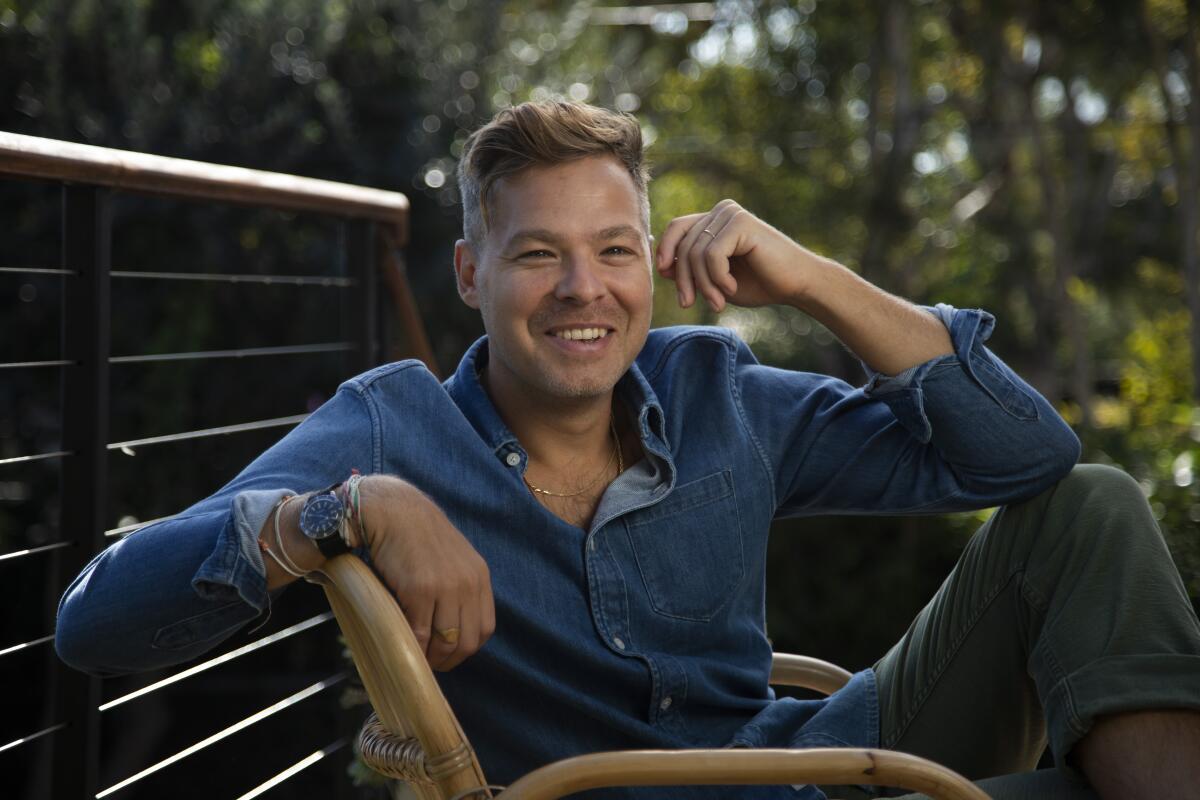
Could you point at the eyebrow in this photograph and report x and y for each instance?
(544, 235)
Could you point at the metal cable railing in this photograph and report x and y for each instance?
(204, 433)
(226, 732)
(294, 769)
(373, 226)
(225, 658)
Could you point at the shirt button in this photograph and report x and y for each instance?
(665, 704)
(512, 459)
(618, 643)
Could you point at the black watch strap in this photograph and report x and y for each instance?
(332, 546)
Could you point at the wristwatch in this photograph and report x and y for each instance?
(321, 520)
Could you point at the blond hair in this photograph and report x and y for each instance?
(545, 133)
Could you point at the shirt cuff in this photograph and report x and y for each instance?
(236, 570)
(969, 329)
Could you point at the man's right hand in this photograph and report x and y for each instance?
(440, 580)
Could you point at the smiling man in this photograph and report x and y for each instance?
(575, 522)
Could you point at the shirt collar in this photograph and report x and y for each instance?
(472, 399)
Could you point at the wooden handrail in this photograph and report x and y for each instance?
(35, 157)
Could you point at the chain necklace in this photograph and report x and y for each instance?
(612, 426)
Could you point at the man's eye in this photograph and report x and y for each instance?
(537, 254)
(620, 251)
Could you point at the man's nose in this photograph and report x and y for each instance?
(580, 281)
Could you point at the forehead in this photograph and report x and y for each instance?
(576, 198)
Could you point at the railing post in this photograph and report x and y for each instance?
(86, 251)
(361, 310)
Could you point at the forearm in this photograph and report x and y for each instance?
(887, 333)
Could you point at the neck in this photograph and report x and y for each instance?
(558, 433)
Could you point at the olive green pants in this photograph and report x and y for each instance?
(1063, 608)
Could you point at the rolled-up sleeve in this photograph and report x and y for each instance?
(960, 431)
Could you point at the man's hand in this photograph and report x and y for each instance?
(730, 255)
(440, 580)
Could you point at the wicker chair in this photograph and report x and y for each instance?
(413, 735)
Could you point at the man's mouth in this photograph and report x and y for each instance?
(581, 334)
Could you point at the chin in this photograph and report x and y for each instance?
(580, 390)
(578, 387)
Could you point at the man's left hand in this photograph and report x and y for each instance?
(730, 255)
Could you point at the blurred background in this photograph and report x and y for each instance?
(1038, 160)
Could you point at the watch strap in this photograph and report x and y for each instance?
(332, 546)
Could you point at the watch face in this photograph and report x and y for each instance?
(321, 516)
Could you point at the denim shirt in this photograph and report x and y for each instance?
(647, 630)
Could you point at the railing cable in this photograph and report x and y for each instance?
(268, 280)
(59, 362)
(221, 659)
(244, 352)
(286, 702)
(36, 457)
(30, 551)
(206, 432)
(39, 271)
(33, 736)
(34, 643)
(299, 766)
(135, 526)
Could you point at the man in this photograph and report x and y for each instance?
(575, 522)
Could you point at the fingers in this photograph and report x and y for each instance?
(695, 252)
(452, 613)
(452, 631)
(418, 608)
(440, 580)
(464, 622)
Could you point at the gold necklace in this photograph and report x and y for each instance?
(612, 426)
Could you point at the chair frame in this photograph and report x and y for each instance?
(425, 744)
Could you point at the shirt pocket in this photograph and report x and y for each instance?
(688, 548)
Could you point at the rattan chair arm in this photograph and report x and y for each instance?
(808, 673)
(740, 766)
(394, 671)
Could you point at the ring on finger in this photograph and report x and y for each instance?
(710, 233)
(447, 635)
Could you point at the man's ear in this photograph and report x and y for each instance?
(465, 269)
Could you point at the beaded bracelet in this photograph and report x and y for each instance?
(352, 502)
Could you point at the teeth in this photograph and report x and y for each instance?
(583, 334)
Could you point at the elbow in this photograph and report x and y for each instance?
(83, 636)
(74, 638)
(1056, 455)
(1066, 448)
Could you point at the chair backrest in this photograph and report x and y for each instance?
(399, 682)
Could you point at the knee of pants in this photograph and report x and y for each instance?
(1099, 483)
(1096, 500)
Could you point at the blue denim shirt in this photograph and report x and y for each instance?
(647, 630)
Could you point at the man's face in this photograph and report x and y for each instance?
(563, 280)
